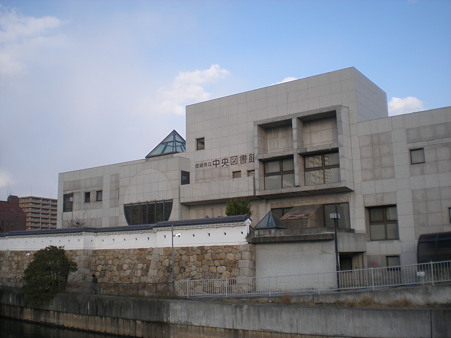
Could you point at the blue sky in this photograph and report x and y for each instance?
(90, 83)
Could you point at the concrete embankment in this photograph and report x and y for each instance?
(146, 317)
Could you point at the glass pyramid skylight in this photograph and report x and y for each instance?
(269, 222)
(173, 143)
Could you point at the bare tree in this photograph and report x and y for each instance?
(75, 223)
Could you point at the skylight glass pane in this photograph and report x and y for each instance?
(173, 143)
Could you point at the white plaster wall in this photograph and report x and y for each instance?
(216, 235)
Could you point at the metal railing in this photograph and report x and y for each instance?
(371, 278)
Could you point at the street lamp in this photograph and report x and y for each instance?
(336, 216)
(172, 256)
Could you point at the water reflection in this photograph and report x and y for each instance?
(11, 328)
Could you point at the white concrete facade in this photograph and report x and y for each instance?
(322, 140)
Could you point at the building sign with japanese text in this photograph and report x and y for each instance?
(226, 161)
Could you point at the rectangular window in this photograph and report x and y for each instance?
(184, 177)
(279, 174)
(339, 210)
(322, 168)
(393, 261)
(87, 197)
(200, 143)
(417, 156)
(236, 174)
(383, 223)
(68, 202)
(251, 173)
(99, 195)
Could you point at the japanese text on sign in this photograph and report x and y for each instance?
(226, 161)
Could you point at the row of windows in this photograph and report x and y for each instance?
(99, 196)
(237, 174)
(318, 169)
(68, 199)
(383, 220)
(147, 212)
(416, 155)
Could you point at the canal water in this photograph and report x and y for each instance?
(10, 328)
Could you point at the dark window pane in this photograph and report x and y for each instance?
(184, 177)
(391, 214)
(99, 195)
(159, 212)
(332, 175)
(377, 232)
(167, 209)
(68, 202)
(331, 159)
(151, 213)
(314, 177)
(273, 182)
(392, 231)
(127, 213)
(272, 167)
(417, 156)
(288, 165)
(144, 213)
(313, 161)
(200, 143)
(376, 214)
(288, 180)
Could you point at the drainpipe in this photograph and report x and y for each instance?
(336, 216)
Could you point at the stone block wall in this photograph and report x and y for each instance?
(145, 265)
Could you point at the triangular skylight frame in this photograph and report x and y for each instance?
(171, 144)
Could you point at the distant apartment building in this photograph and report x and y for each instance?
(40, 212)
(12, 217)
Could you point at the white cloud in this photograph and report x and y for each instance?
(187, 88)
(20, 37)
(14, 27)
(398, 106)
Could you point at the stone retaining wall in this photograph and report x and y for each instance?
(148, 317)
(145, 265)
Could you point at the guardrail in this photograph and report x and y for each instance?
(371, 278)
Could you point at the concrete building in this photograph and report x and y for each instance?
(345, 185)
(40, 212)
(12, 217)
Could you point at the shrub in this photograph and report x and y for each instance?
(46, 275)
(238, 206)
